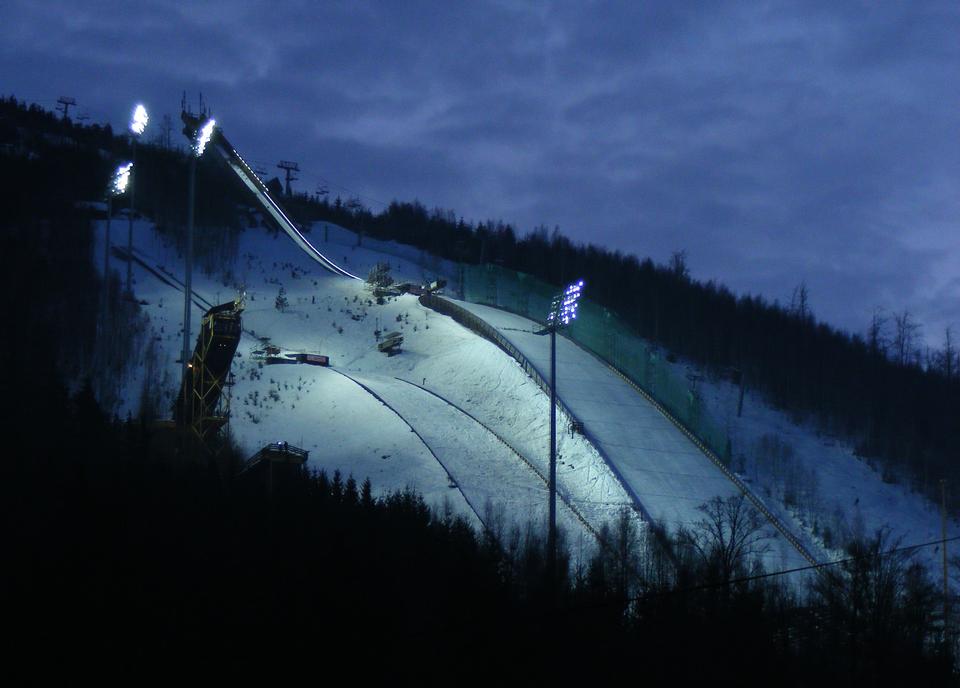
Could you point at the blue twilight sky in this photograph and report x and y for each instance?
(775, 142)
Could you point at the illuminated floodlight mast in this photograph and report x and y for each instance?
(203, 136)
(121, 177)
(116, 187)
(563, 311)
(138, 122)
(564, 306)
(118, 184)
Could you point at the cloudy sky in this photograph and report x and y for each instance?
(775, 142)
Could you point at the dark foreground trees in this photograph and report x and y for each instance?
(727, 539)
(875, 613)
(123, 559)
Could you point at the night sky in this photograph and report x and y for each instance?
(775, 142)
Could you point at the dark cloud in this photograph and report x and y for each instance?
(775, 143)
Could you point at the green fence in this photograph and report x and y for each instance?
(599, 330)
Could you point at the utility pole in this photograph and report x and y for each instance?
(943, 532)
(187, 292)
(105, 298)
(103, 335)
(64, 103)
(133, 191)
(138, 125)
(289, 168)
(743, 386)
(552, 532)
(118, 184)
(165, 128)
(200, 135)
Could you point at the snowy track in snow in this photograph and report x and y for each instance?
(365, 386)
(529, 463)
(489, 473)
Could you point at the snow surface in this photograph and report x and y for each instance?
(483, 467)
(483, 453)
(348, 429)
(844, 492)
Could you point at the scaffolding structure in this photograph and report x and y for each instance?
(202, 405)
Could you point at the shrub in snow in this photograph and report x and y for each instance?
(282, 302)
(379, 275)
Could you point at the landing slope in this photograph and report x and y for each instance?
(667, 473)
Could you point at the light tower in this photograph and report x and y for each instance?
(563, 310)
(138, 124)
(289, 168)
(199, 138)
(117, 186)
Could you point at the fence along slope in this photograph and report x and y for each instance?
(599, 333)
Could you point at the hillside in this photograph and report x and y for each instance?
(338, 414)
(457, 454)
(875, 390)
(789, 479)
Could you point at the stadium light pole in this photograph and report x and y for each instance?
(118, 185)
(200, 139)
(563, 311)
(138, 123)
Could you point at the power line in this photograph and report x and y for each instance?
(760, 576)
(356, 194)
(289, 168)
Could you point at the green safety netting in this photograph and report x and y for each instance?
(602, 332)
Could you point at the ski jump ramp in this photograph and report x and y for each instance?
(250, 179)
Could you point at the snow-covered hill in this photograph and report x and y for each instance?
(452, 415)
(459, 420)
(816, 481)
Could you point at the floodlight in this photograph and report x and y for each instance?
(203, 136)
(121, 177)
(138, 122)
(563, 308)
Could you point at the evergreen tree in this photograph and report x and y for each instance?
(281, 302)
